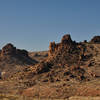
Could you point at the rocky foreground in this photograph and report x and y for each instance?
(68, 69)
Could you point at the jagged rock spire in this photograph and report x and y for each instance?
(66, 39)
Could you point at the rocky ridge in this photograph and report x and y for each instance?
(68, 60)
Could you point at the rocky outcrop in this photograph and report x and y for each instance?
(69, 59)
(95, 39)
(11, 54)
(9, 49)
(66, 39)
(66, 42)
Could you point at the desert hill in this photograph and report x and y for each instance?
(70, 60)
(13, 59)
(9, 52)
(68, 69)
(71, 69)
